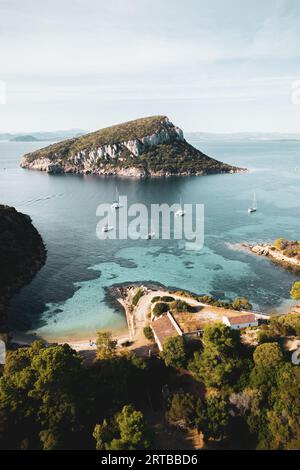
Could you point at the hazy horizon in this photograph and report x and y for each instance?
(217, 66)
(188, 132)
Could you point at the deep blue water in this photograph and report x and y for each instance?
(68, 294)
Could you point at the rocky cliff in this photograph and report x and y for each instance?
(150, 146)
(22, 254)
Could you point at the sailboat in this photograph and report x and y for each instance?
(107, 228)
(253, 208)
(150, 235)
(116, 204)
(180, 212)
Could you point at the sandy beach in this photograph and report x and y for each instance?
(137, 317)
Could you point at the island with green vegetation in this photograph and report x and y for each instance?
(22, 254)
(282, 251)
(150, 146)
(24, 138)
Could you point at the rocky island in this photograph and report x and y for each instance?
(150, 146)
(22, 254)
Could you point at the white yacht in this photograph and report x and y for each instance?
(116, 203)
(253, 208)
(180, 212)
(151, 235)
(107, 228)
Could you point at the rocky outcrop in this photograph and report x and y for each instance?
(268, 250)
(150, 146)
(22, 254)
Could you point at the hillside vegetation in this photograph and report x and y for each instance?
(150, 146)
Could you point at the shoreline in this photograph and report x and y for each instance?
(267, 250)
(130, 172)
(138, 316)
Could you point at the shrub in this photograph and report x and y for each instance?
(139, 293)
(181, 411)
(167, 298)
(163, 298)
(206, 299)
(280, 244)
(181, 306)
(286, 325)
(148, 333)
(160, 308)
(155, 299)
(241, 304)
(266, 336)
(295, 291)
(106, 345)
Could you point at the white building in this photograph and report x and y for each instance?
(240, 321)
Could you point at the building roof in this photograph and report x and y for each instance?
(241, 319)
(164, 328)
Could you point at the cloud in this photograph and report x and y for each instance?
(278, 37)
(96, 52)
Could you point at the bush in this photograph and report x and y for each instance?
(280, 244)
(127, 431)
(241, 304)
(295, 291)
(106, 345)
(286, 325)
(139, 293)
(181, 306)
(155, 299)
(206, 299)
(148, 333)
(266, 336)
(163, 298)
(167, 298)
(181, 411)
(160, 308)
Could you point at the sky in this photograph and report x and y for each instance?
(209, 65)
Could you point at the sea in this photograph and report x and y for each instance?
(71, 295)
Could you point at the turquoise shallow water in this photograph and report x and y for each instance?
(67, 297)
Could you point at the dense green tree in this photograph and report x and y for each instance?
(285, 325)
(160, 308)
(38, 399)
(139, 293)
(219, 363)
(148, 333)
(174, 352)
(181, 306)
(127, 431)
(222, 337)
(268, 358)
(267, 336)
(106, 346)
(181, 410)
(277, 424)
(213, 418)
(104, 433)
